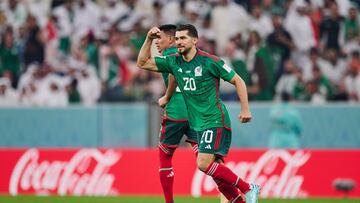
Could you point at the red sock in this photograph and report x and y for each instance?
(224, 174)
(229, 191)
(166, 172)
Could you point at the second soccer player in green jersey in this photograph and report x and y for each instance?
(175, 121)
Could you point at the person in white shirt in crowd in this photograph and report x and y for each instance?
(228, 19)
(111, 14)
(334, 67)
(352, 78)
(344, 6)
(193, 14)
(15, 12)
(311, 61)
(318, 92)
(298, 23)
(156, 17)
(253, 45)
(40, 9)
(207, 36)
(50, 88)
(39, 86)
(53, 92)
(89, 86)
(352, 46)
(25, 89)
(8, 96)
(30, 85)
(86, 17)
(171, 12)
(259, 22)
(64, 21)
(287, 81)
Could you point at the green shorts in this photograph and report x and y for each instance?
(214, 141)
(172, 131)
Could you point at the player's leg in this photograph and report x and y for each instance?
(166, 172)
(208, 147)
(170, 136)
(230, 191)
(217, 141)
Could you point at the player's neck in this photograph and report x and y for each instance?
(190, 55)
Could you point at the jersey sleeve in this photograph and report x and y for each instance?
(162, 63)
(222, 70)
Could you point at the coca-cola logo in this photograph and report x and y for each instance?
(85, 173)
(275, 170)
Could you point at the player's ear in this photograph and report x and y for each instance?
(194, 40)
(172, 39)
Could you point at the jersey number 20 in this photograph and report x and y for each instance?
(189, 84)
(207, 136)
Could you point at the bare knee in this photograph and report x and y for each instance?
(204, 161)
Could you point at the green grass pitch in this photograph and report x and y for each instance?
(152, 199)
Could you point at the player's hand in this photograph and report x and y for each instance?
(153, 33)
(244, 116)
(163, 101)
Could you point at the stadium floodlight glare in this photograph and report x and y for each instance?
(344, 185)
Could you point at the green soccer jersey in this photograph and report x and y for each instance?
(176, 108)
(198, 81)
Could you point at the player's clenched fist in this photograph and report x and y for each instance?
(244, 116)
(154, 33)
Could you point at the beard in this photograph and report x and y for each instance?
(183, 50)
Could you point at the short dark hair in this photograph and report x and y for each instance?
(168, 29)
(192, 32)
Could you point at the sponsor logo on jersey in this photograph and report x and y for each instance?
(208, 146)
(180, 70)
(198, 71)
(188, 71)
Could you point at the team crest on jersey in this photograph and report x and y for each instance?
(198, 71)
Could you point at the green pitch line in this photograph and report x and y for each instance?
(152, 199)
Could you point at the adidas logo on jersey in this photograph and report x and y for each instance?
(208, 147)
(180, 70)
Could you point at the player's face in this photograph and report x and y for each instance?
(163, 42)
(184, 42)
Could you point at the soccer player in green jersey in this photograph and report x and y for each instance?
(175, 121)
(197, 75)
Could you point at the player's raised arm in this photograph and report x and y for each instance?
(169, 91)
(144, 60)
(245, 115)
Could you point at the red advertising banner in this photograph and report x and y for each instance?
(89, 171)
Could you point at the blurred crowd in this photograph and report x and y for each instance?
(61, 52)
